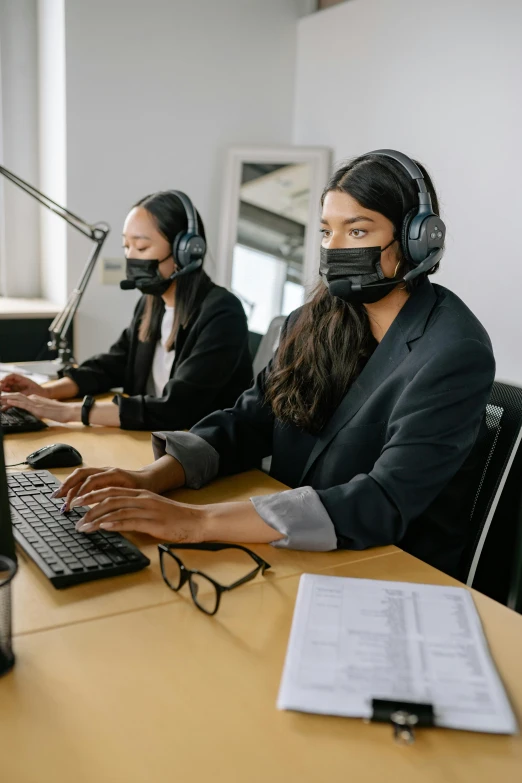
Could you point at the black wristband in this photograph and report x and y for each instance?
(88, 402)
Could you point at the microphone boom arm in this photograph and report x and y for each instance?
(96, 232)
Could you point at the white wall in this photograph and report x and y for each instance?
(155, 93)
(19, 152)
(56, 282)
(442, 82)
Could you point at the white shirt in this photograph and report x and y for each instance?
(163, 359)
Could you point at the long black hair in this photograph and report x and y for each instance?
(171, 219)
(330, 340)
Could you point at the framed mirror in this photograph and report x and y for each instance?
(268, 251)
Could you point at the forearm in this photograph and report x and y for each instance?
(165, 474)
(237, 522)
(105, 414)
(62, 389)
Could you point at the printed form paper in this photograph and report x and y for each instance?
(353, 640)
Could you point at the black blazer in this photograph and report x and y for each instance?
(211, 368)
(394, 463)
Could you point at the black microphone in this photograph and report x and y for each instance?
(127, 285)
(349, 291)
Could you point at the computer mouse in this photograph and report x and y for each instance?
(57, 455)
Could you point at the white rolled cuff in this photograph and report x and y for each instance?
(300, 516)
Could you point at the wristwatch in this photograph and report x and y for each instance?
(88, 402)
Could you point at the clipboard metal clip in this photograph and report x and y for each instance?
(403, 723)
(404, 717)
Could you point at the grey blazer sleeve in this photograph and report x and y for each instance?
(199, 459)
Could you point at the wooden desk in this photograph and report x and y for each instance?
(166, 693)
(38, 605)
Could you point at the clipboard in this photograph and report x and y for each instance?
(412, 655)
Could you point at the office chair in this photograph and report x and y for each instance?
(492, 561)
(266, 350)
(268, 344)
(253, 343)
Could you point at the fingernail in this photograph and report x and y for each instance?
(107, 525)
(77, 502)
(55, 493)
(63, 508)
(84, 527)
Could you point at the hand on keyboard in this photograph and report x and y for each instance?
(84, 480)
(42, 407)
(119, 509)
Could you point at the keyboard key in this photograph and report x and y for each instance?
(116, 558)
(103, 560)
(38, 496)
(89, 563)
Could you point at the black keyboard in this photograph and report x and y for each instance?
(65, 556)
(18, 420)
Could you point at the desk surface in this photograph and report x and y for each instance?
(167, 693)
(39, 605)
(123, 680)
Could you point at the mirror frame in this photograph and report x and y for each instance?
(320, 160)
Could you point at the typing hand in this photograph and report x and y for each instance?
(42, 407)
(83, 481)
(141, 511)
(20, 383)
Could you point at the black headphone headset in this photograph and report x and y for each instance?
(423, 232)
(188, 248)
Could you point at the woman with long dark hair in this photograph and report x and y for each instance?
(186, 351)
(370, 408)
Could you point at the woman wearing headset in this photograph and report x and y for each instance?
(186, 351)
(370, 408)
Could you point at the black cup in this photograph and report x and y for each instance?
(7, 571)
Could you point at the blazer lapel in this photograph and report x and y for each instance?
(391, 351)
(143, 366)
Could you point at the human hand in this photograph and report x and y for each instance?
(83, 481)
(141, 511)
(42, 407)
(22, 384)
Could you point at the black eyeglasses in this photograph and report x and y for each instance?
(205, 591)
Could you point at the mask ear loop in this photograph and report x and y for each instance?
(399, 262)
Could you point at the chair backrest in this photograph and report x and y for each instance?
(268, 344)
(253, 343)
(495, 520)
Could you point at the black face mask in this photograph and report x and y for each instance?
(354, 274)
(143, 274)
